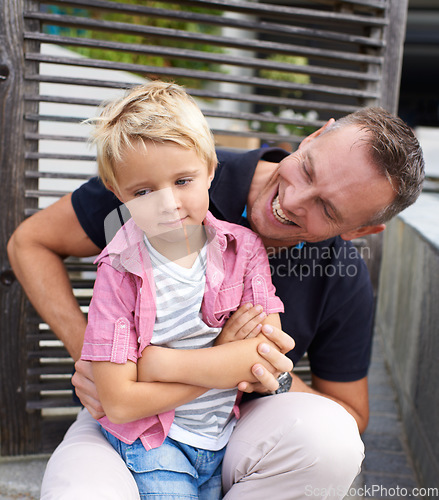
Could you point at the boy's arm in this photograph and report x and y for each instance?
(221, 367)
(124, 399)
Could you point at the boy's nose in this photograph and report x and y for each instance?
(166, 200)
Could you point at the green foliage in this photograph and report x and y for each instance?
(126, 38)
(287, 76)
(286, 129)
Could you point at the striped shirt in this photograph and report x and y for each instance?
(208, 421)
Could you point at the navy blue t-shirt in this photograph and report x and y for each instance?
(324, 286)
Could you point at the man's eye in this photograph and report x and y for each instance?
(327, 214)
(306, 173)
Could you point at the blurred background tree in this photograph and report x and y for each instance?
(127, 38)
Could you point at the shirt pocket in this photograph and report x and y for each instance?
(227, 301)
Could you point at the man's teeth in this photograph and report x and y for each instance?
(279, 214)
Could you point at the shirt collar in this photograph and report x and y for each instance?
(127, 250)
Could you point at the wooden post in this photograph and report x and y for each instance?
(391, 77)
(19, 430)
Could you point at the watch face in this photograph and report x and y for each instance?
(285, 379)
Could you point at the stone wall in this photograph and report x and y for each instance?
(407, 319)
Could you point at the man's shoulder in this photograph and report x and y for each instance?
(226, 228)
(333, 250)
(334, 265)
(92, 202)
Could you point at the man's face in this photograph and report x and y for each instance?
(328, 187)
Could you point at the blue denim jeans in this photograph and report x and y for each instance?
(173, 470)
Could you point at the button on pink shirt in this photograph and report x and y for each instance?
(122, 311)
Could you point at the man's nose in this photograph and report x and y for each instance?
(296, 199)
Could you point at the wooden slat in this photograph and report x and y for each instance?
(231, 4)
(248, 62)
(59, 385)
(203, 75)
(76, 101)
(46, 352)
(31, 136)
(40, 193)
(59, 156)
(251, 8)
(53, 369)
(51, 402)
(57, 118)
(341, 108)
(58, 175)
(259, 45)
(74, 158)
(143, 30)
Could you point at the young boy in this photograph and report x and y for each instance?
(165, 286)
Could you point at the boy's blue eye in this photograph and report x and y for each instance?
(182, 182)
(142, 192)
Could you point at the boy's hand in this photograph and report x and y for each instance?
(246, 322)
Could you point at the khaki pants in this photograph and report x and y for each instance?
(285, 447)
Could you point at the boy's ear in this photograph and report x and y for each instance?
(362, 231)
(113, 190)
(210, 179)
(315, 134)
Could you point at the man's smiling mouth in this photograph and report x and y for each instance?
(279, 214)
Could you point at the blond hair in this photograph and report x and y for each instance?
(158, 112)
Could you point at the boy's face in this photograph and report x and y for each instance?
(165, 188)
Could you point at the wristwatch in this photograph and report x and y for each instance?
(285, 380)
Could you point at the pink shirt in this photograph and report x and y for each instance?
(122, 311)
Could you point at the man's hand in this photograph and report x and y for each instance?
(247, 322)
(85, 388)
(268, 379)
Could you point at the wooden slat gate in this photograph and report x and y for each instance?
(263, 72)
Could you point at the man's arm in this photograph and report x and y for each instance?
(36, 251)
(222, 366)
(353, 396)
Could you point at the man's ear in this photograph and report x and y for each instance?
(315, 134)
(362, 231)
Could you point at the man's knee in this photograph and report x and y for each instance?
(303, 438)
(331, 442)
(86, 466)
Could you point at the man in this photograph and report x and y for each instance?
(345, 181)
